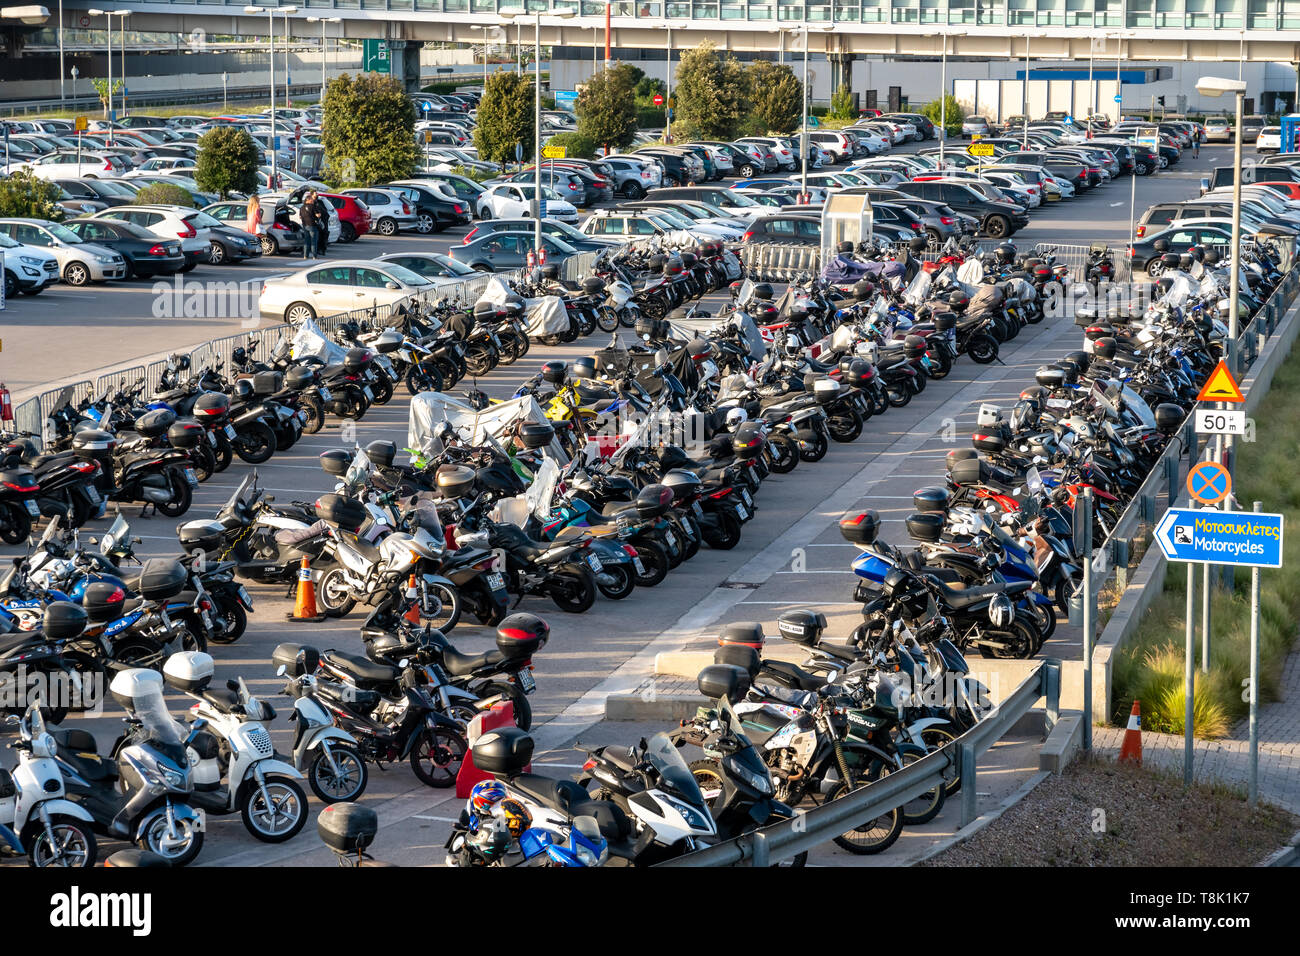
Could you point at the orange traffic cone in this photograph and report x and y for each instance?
(413, 614)
(1131, 749)
(304, 606)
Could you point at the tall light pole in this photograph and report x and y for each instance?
(270, 38)
(1024, 111)
(537, 109)
(1217, 86)
(61, 53)
(943, 93)
(121, 45)
(286, 11)
(108, 16)
(803, 130)
(485, 27)
(323, 48)
(668, 67)
(1119, 83)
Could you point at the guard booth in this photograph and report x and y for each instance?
(1289, 141)
(845, 217)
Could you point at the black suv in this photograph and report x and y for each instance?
(433, 211)
(997, 219)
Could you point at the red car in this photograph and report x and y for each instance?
(354, 217)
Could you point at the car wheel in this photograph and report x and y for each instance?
(997, 227)
(216, 253)
(11, 284)
(633, 191)
(1155, 268)
(747, 172)
(426, 224)
(347, 232)
(387, 227)
(481, 267)
(485, 212)
(1164, 162)
(269, 246)
(670, 182)
(299, 312)
(76, 274)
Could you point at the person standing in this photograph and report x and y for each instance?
(310, 232)
(322, 223)
(253, 216)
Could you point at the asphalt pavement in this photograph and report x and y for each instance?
(790, 555)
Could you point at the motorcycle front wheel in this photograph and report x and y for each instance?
(255, 443)
(185, 847)
(276, 811)
(73, 844)
(345, 781)
(573, 591)
(15, 523)
(615, 581)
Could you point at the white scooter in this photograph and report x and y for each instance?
(228, 740)
(328, 756)
(51, 829)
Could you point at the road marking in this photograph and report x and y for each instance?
(421, 816)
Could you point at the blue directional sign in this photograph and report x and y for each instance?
(1118, 98)
(426, 106)
(1207, 536)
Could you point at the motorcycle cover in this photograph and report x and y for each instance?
(545, 315)
(845, 270)
(430, 409)
(310, 342)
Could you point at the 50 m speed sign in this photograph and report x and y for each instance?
(1212, 421)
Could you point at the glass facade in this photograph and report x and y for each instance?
(1082, 14)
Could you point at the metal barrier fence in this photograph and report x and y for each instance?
(781, 841)
(779, 262)
(1076, 257)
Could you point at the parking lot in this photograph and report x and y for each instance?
(66, 333)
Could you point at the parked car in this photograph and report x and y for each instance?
(169, 222)
(785, 227)
(434, 211)
(505, 251)
(434, 266)
(999, 218)
(106, 191)
(512, 200)
(390, 212)
(631, 177)
(69, 163)
(1143, 256)
(80, 262)
(278, 234)
(1218, 129)
(28, 269)
(976, 126)
(550, 227)
(354, 217)
(146, 255)
(339, 286)
(1269, 139)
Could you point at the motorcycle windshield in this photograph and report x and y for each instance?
(357, 471)
(120, 531)
(238, 496)
(155, 718)
(674, 775)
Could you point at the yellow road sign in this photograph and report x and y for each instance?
(81, 124)
(1221, 386)
(980, 149)
(554, 152)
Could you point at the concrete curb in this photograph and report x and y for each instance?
(979, 823)
(1062, 743)
(1287, 856)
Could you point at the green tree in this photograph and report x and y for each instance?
(952, 113)
(842, 104)
(576, 145)
(30, 197)
(505, 117)
(776, 97)
(710, 95)
(368, 130)
(227, 161)
(163, 194)
(647, 87)
(101, 87)
(606, 109)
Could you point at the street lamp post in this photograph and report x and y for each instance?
(1025, 91)
(943, 93)
(270, 38)
(537, 109)
(121, 47)
(61, 100)
(108, 16)
(803, 134)
(324, 46)
(485, 28)
(668, 66)
(286, 11)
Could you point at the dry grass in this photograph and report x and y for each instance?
(1099, 813)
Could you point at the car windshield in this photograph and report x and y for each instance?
(670, 220)
(201, 219)
(404, 275)
(7, 243)
(62, 233)
(738, 199)
(434, 263)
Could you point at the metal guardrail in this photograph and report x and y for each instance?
(806, 831)
(141, 101)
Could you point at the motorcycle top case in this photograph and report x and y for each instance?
(382, 452)
(683, 483)
(930, 499)
(267, 383)
(745, 633)
(205, 536)
(93, 443)
(455, 481)
(945, 321)
(348, 513)
(747, 443)
(536, 434)
(720, 680)
(103, 601)
(336, 461)
(211, 405)
(387, 342)
(162, 578)
(186, 434)
(521, 635)
(63, 620)
(925, 526)
(356, 359)
(593, 285)
(506, 751)
(739, 655)
(860, 528)
(347, 827)
(825, 390)
(131, 684)
(300, 377)
(653, 500)
(967, 471)
(802, 626)
(155, 423)
(189, 671)
(913, 346)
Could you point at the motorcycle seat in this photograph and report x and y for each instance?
(842, 652)
(364, 547)
(289, 537)
(89, 765)
(791, 675)
(563, 795)
(10, 641)
(612, 509)
(363, 669)
(589, 394)
(222, 698)
(458, 665)
(620, 757)
(966, 597)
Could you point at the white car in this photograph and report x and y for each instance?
(28, 269)
(294, 200)
(1269, 140)
(513, 200)
(169, 222)
(390, 212)
(333, 287)
(1027, 194)
(65, 164)
(80, 262)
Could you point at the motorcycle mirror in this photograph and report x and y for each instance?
(1017, 490)
(404, 663)
(990, 508)
(94, 540)
(281, 671)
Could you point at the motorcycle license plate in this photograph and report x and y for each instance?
(640, 568)
(32, 510)
(92, 494)
(744, 494)
(207, 620)
(671, 539)
(496, 582)
(212, 439)
(593, 562)
(243, 595)
(526, 681)
(368, 392)
(1058, 403)
(302, 415)
(230, 431)
(191, 477)
(695, 506)
(740, 510)
(325, 395)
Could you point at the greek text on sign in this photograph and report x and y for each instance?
(981, 149)
(1221, 386)
(1211, 421)
(1221, 537)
